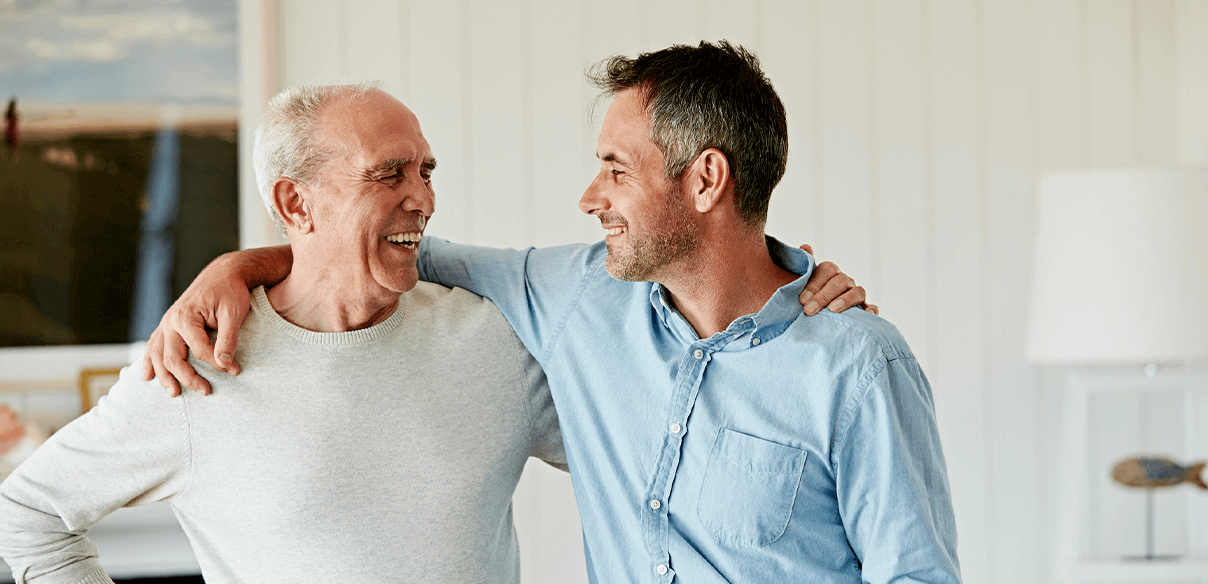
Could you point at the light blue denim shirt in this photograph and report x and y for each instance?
(787, 448)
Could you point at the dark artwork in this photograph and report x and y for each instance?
(70, 218)
(118, 173)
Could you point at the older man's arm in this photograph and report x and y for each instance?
(131, 449)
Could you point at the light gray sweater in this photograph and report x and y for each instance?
(387, 454)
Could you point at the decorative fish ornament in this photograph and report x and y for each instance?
(1157, 472)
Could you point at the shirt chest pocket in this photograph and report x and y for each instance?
(749, 488)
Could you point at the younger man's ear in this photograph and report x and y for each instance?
(709, 175)
(292, 206)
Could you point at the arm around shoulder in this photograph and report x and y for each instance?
(218, 299)
(533, 288)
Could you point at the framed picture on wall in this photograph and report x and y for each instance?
(94, 384)
(119, 168)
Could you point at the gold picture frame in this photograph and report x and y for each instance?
(94, 383)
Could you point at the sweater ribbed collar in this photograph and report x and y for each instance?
(374, 333)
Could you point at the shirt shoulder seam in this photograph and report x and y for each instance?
(848, 414)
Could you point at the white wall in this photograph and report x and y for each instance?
(916, 130)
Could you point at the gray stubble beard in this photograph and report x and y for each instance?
(678, 238)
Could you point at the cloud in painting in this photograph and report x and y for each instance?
(149, 50)
(104, 32)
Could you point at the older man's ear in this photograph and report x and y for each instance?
(292, 206)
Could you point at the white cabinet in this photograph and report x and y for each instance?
(1090, 509)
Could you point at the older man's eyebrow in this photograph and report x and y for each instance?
(387, 165)
(429, 164)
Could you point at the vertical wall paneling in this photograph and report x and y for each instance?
(1057, 59)
(844, 60)
(669, 22)
(874, 150)
(375, 43)
(438, 98)
(730, 20)
(792, 214)
(1007, 184)
(258, 74)
(403, 64)
(902, 224)
(498, 151)
(1110, 96)
(558, 117)
(1156, 82)
(342, 39)
(960, 395)
(309, 42)
(1192, 57)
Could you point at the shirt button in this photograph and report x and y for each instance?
(755, 341)
(655, 504)
(662, 569)
(699, 354)
(675, 428)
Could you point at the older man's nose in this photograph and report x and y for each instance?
(420, 198)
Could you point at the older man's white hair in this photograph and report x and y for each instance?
(285, 145)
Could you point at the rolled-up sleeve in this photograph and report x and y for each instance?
(891, 479)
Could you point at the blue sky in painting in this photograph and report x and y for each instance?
(182, 51)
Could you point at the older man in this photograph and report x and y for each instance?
(715, 433)
(379, 427)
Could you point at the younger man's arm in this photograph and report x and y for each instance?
(219, 299)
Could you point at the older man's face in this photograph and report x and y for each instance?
(647, 219)
(376, 192)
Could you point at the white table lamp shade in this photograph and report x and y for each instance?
(1121, 267)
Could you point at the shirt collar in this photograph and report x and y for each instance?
(776, 315)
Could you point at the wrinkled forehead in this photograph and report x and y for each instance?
(371, 126)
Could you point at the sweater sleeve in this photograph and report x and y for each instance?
(131, 449)
(545, 434)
